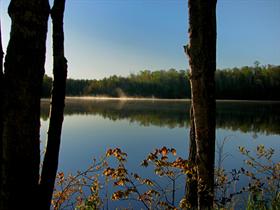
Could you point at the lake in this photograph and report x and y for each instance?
(139, 126)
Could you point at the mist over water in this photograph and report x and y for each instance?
(259, 117)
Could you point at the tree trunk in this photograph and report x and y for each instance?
(191, 194)
(50, 163)
(1, 111)
(202, 59)
(22, 83)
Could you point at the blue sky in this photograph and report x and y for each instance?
(106, 37)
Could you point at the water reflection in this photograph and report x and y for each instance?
(93, 126)
(258, 117)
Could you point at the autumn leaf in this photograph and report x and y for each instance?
(148, 182)
(108, 171)
(145, 163)
(164, 151)
(117, 195)
(164, 158)
(109, 152)
(173, 151)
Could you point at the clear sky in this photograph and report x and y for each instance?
(106, 37)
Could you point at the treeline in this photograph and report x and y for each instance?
(247, 83)
(252, 83)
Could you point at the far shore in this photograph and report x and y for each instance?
(152, 99)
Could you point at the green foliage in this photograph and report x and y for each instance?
(255, 83)
(251, 83)
(159, 84)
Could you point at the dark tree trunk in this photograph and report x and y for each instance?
(22, 82)
(191, 194)
(1, 113)
(202, 59)
(50, 163)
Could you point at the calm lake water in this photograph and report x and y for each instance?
(138, 127)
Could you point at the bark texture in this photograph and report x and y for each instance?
(191, 194)
(50, 163)
(22, 82)
(202, 60)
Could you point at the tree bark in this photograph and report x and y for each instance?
(22, 83)
(191, 194)
(50, 163)
(1, 111)
(202, 59)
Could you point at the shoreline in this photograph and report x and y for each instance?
(154, 99)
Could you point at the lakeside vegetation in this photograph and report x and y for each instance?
(110, 179)
(244, 83)
(88, 189)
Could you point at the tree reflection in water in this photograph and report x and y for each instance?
(245, 116)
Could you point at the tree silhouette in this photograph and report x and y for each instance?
(50, 163)
(1, 114)
(202, 59)
(22, 82)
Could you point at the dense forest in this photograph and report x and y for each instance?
(245, 83)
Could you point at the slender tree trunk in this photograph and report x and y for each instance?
(50, 163)
(191, 194)
(202, 59)
(22, 82)
(1, 111)
(1, 73)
